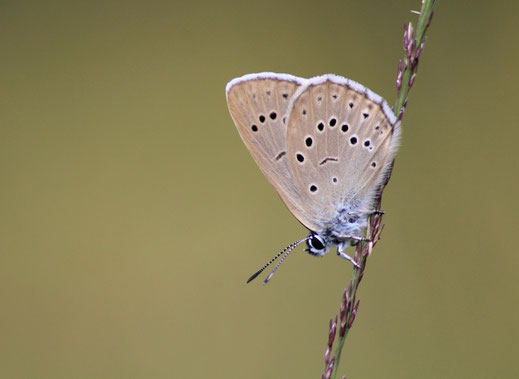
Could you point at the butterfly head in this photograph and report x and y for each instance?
(317, 245)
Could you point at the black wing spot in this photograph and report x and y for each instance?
(351, 105)
(313, 188)
(345, 127)
(300, 157)
(304, 111)
(377, 127)
(353, 140)
(309, 141)
(373, 164)
(268, 93)
(334, 96)
(367, 143)
(334, 179)
(333, 122)
(262, 119)
(320, 126)
(254, 128)
(365, 115)
(328, 159)
(285, 96)
(273, 115)
(281, 155)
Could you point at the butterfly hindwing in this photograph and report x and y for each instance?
(341, 139)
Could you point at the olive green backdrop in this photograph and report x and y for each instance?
(131, 213)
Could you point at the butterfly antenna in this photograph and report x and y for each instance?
(287, 249)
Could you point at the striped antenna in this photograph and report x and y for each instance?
(287, 249)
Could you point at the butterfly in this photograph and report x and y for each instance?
(326, 145)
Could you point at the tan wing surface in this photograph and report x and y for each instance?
(341, 139)
(258, 105)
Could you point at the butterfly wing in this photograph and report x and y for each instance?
(258, 104)
(341, 140)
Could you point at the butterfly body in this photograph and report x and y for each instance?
(326, 144)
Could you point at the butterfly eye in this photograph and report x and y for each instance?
(316, 243)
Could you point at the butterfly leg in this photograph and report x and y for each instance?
(356, 239)
(343, 255)
(377, 212)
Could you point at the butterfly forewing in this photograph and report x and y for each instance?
(258, 105)
(340, 140)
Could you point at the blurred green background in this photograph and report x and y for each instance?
(131, 213)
